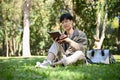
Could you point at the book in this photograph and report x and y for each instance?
(55, 34)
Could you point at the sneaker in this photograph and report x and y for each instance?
(37, 64)
(45, 64)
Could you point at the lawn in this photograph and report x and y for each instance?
(19, 68)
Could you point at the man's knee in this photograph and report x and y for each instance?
(80, 55)
(50, 56)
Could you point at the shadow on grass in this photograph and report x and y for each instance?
(23, 69)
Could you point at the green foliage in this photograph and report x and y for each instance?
(39, 26)
(115, 23)
(23, 69)
(111, 35)
(86, 18)
(87, 15)
(113, 8)
(10, 21)
(44, 16)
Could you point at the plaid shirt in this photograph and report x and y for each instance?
(79, 37)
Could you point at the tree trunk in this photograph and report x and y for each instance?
(98, 25)
(103, 31)
(18, 18)
(119, 35)
(11, 47)
(26, 32)
(96, 36)
(6, 40)
(6, 34)
(99, 41)
(3, 45)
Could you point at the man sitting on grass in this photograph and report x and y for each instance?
(69, 48)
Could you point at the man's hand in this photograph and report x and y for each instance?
(61, 39)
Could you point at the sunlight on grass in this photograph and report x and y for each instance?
(20, 68)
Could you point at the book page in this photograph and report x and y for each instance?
(55, 34)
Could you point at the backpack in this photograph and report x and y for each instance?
(100, 56)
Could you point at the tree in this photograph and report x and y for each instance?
(119, 35)
(102, 8)
(9, 22)
(26, 32)
(90, 17)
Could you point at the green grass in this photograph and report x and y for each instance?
(18, 68)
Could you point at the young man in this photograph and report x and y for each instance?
(70, 47)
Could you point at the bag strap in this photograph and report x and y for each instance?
(88, 60)
(102, 53)
(92, 53)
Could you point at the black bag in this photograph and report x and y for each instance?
(100, 56)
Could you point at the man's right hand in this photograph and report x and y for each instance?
(61, 39)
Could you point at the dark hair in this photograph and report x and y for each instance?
(66, 16)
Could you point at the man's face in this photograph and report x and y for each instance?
(67, 24)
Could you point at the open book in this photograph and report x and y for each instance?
(55, 34)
